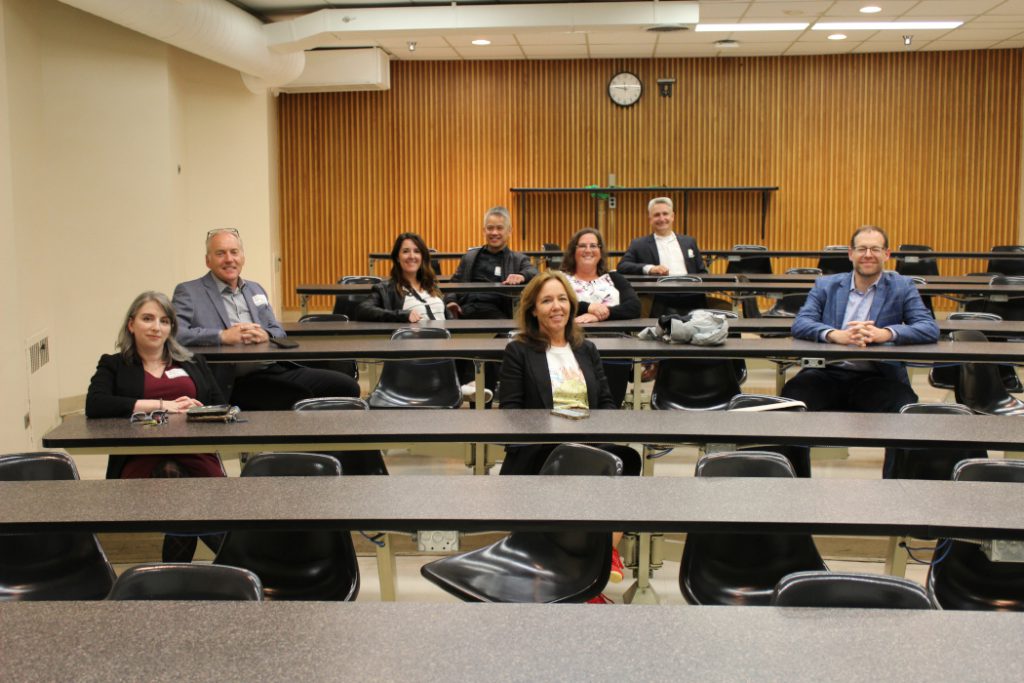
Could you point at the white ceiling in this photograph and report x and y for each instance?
(987, 24)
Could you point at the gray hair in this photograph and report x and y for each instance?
(126, 341)
(220, 231)
(660, 200)
(499, 211)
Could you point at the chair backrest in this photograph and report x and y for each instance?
(352, 462)
(680, 278)
(753, 264)
(803, 271)
(554, 260)
(799, 457)
(974, 315)
(936, 464)
(839, 263)
(418, 383)
(49, 566)
(174, 581)
(580, 459)
(849, 589)
(741, 401)
(1007, 266)
(695, 384)
(743, 464)
(324, 318)
(346, 304)
(332, 403)
(916, 265)
(1006, 471)
(295, 565)
(742, 568)
(980, 385)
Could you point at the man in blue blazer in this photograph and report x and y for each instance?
(665, 253)
(863, 307)
(222, 308)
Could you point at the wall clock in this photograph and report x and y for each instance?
(625, 89)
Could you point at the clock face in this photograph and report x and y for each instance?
(625, 89)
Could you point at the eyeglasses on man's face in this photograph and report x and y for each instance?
(875, 251)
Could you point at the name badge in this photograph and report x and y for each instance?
(261, 299)
(497, 271)
(175, 373)
(689, 252)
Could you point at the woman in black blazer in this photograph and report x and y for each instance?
(549, 364)
(411, 294)
(153, 373)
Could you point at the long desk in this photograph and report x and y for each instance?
(993, 330)
(313, 641)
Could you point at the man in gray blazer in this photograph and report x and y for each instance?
(222, 308)
(665, 253)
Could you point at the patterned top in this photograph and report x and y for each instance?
(568, 385)
(599, 291)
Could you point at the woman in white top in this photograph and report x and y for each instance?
(411, 294)
(602, 295)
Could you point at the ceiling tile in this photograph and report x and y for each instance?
(552, 39)
(796, 10)
(460, 40)
(555, 52)
(950, 7)
(490, 52)
(883, 47)
(722, 10)
(685, 50)
(398, 44)
(621, 50)
(622, 38)
(940, 45)
(991, 33)
(1009, 7)
(427, 53)
(831, 48)
(850, 9)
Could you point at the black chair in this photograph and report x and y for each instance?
(966, 579)
(174, 581)
(346, 304)
(923, 266)
(926, 299)
(980, 386)
(557, 566)
(946, 376)
(789, 305)
(798, 456)
(352, 462)
(739, 364)
(347, 367)
(742, 569)
(665, 304)
(936, 464)
(849, 589)
(838, 262)
(50, 566)
(694, 384)
(554, 260)
(752, 264)
(295, 565)
(1007, 266)
(1013, 308)
(417, 383)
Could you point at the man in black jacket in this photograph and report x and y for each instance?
(493, 262)
(665, 253)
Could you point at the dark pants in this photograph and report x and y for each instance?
(482, 311)
(838, 389)
(530, 459)
(281, 385)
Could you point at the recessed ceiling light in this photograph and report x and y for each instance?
(727, 28)
(481, 41)
(870, 9)
(837, 36)
(883, 25)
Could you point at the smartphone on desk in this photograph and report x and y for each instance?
(284, 343)
(571, 413)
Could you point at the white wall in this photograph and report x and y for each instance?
(95, 209)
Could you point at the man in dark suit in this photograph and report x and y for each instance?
(866, 306)
(222, 308)
(665, 253)
(493, 262)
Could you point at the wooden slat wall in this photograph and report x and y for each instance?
(927, 145)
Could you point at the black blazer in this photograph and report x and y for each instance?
(385, 305)
(629, 302)
(644, 251)
(512, 262)
(526, 383)
(117, 385)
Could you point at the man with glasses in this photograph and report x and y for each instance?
(222, 308)
(663, 252)
(493, 262)
(864, 307)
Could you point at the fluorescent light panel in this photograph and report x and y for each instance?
(727, 28)
(883, 25)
